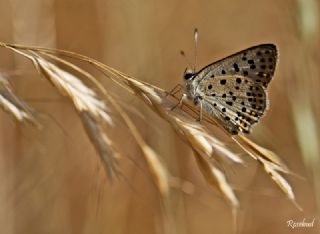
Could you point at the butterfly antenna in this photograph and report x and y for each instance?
(195, 49)
(185, 57)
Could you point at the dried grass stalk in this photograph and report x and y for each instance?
(156, 99)
(84, 98)
(191, 131)
(216, 179)
(282, 183)
(258, 152)
(272, 164)
(104, 145)
(14, 105)
(92, 110)
(159, 172)
(195, 134)
(202, 141)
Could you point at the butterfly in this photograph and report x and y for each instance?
(233, 89)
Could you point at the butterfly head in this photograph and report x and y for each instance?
(188, 75)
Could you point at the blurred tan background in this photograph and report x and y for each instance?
(51, 181)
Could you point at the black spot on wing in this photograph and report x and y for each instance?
(257, 63)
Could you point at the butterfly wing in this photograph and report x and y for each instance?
(258, 63)
(232, 89)
(237, 101)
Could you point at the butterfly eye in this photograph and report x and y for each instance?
(188, 75)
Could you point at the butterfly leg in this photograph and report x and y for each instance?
(180, 103)
(175, 90)
(200, 112)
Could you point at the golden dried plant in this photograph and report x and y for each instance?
(96, 110)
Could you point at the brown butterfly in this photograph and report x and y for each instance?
(233, 89)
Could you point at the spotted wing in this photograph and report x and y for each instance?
(257, 63)
(237, 101)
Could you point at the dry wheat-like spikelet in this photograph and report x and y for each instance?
(217, 179)
(156, 167)
(102, 142)
(92, 110)
(272, 164)
(199, 141)
(209, 151)
(14, 105)
(84, 98)
(159, 172)
(191, 131)
(94, 113)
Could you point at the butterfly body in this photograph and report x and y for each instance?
(233, 89)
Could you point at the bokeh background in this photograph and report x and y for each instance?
(51, 180)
